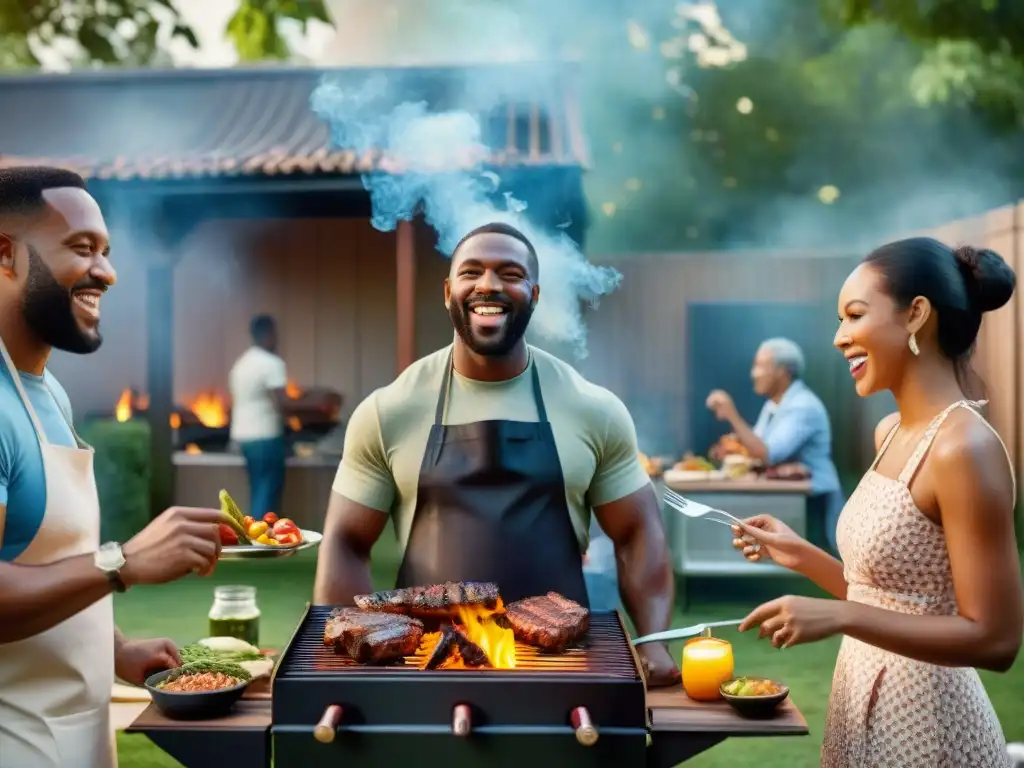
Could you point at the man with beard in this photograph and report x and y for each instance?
(488, 457)
(59, 648)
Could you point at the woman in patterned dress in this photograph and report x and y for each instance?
(929, 584)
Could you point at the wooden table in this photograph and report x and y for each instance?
(681, 728)
(701, 548)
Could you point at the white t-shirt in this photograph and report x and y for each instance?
(254, 416)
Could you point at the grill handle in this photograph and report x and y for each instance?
(586, 733)
(328, 726)
(462, 722)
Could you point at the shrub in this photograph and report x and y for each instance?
(122, 475)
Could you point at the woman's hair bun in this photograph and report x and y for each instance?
(990, 281)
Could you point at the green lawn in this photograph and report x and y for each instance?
(179, 611)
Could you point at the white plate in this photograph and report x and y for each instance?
(256, 551)
(692, 476)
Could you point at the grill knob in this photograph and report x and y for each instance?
(461, 721)
(586, 733)
(328, 725)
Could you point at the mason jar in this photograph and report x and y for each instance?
(234, 613)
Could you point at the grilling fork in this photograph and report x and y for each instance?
(702, 511)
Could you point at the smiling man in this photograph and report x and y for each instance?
(59, 648)
(488, 456)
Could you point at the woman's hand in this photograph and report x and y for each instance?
(792, 620)
(764, 535)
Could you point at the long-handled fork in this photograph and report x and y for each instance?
(694, 509)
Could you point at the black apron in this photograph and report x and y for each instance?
(490, 506)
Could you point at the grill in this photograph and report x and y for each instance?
(583, 707)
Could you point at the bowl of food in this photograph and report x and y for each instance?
(754, 696)
(200, 690)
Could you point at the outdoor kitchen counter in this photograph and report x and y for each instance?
(682, 728)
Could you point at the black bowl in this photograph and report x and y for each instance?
(198, 705)
(755, 706)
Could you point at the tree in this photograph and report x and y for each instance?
(134, 32)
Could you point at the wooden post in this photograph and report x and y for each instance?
(405, 295)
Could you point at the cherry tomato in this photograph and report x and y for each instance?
(247, 521)
(287, 528)
(270, 518)
(228, 537)
(288, 539)
(257, 529)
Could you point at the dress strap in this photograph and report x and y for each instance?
(885, 444)
(921, 449)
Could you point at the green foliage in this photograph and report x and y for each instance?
(255, 26)
(122, 475)
(135, 32)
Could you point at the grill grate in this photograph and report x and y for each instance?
(606, 652)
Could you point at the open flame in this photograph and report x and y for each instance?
(123, 409)
(210, 409)
(498, 642)
(293, 391)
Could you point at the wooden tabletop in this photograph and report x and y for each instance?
(672, 710)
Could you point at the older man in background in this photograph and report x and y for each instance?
(793, 427)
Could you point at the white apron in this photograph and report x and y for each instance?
(55, 686)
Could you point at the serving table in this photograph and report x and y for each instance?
(701, 548)
(682, 728)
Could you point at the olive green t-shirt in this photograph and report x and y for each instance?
(387, 435)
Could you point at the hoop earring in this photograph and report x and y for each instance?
(912, 343)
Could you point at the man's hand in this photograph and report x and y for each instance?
(720, 403)
(178, 542)
(659, 667)
(136, 660)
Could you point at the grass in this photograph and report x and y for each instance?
(284, 586)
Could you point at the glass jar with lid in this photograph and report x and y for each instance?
(234, 613)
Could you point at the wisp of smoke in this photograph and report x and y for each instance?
(433, 163)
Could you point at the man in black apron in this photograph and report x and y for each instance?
(478, 496)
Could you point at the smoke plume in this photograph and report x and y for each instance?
(433, 163)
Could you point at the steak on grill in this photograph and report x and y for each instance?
(372, 638)
(435, 600)
(550, 622)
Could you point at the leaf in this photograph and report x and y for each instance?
(97, 44)
(185, 31)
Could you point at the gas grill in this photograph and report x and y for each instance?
(583, 707)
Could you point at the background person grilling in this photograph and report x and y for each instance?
(59, 648)
(793, 426)
(488, 455)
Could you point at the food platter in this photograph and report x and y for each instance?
(258, 551)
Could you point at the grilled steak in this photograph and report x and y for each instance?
(372, 638)
(435, 600)
(550, 622)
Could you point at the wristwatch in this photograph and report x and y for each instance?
(110, 560)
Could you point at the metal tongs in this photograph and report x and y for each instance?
(679, 634)
(694, 509)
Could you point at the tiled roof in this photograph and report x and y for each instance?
(242, 122)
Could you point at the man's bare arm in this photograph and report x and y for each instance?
(646, 582)
(343, 566)
(35, 598)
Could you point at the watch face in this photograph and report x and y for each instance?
(109, 557)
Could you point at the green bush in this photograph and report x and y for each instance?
(122, 475)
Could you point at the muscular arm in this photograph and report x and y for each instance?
(35, 598)
(627, 508)
(974, 493)
(646, 581)
(343, 565)
(363, 489)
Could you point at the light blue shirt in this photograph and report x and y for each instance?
(797, 429)
(22, 479)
